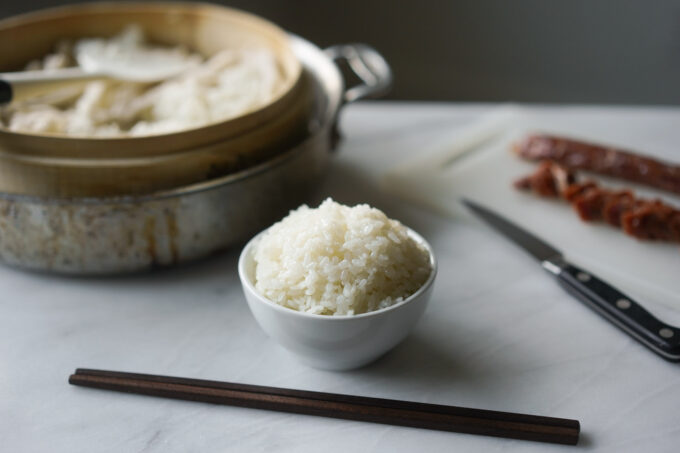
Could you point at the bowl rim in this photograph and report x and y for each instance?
(249, 287)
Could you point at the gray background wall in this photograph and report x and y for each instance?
(592, 51)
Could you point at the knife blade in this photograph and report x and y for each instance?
(612, 304)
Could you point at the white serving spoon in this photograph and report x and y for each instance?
(97, 61)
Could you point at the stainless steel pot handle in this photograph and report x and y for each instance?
(368, 65)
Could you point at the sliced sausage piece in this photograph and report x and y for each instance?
(549, 180)
(653, 220)
(616, 205)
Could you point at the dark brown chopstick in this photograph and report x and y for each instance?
(377, 410)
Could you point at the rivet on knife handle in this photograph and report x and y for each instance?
(622, 310)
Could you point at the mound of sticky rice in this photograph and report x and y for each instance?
(339, 260)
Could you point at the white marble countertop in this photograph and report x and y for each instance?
(498, 334)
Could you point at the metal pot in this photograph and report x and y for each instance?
(126, 234)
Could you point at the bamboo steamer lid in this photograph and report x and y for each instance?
(58, 165)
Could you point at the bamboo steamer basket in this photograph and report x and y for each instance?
(65, 166)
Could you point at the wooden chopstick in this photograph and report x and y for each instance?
(377, 410)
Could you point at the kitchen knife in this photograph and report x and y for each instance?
(609, 302)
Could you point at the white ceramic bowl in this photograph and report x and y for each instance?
(335, 342)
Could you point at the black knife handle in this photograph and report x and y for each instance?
(5, 92)
(618, 308)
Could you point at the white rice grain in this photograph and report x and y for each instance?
(339, 260)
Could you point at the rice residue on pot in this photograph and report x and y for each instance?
(339, 260)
